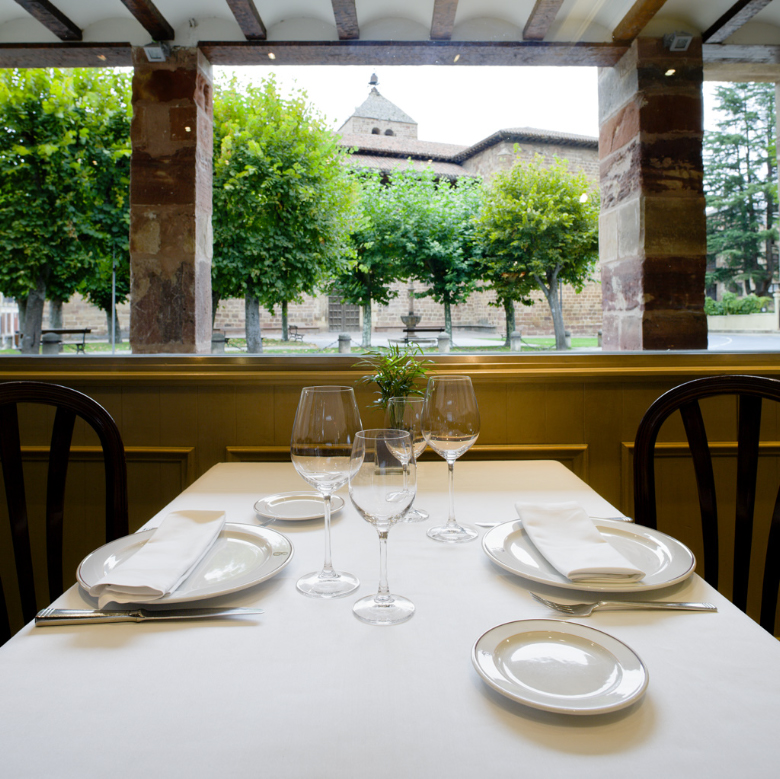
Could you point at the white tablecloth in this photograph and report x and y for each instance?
(308, 690)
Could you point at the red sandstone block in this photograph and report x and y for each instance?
(620, 129)
(665, 112)
(168, 180)
(663, 330)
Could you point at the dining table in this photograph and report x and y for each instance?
(307, 689)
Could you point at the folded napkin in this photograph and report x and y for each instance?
(567, 538)
(164, 561)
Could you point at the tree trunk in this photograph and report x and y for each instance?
(509, 312)
(33, 318)
(214, 306)
(117, 331)
(254, 338)
(55, 314)
(448, 320)
(285, 324)
(367, 325)
(551, 292)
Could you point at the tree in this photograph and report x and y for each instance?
(374, 266)
(282, 200)
(540, 223)
(741, 189)
(436, 237)
(49, 158)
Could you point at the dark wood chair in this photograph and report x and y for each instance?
(69, 404)
(750, 391)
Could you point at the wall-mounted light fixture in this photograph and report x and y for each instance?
(157, 52)
(678, 41)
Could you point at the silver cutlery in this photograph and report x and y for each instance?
(586, 609)
(52, 616)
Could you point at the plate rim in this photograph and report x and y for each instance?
(298, 493)
(617, 587)
(234, 527)
(562, 626)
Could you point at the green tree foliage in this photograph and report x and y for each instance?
(732, 304)
(539, 224)
(741, 189)
(54, 150)
(436, 235)
(282, 200)
(374, 266)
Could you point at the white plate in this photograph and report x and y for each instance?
(665, 559)
(242, 555)
(560, 666)
(293, 506)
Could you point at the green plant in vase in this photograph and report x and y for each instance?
(396, 371)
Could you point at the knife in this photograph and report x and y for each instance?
(52, 616)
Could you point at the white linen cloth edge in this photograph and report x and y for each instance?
(172, 552)
(568, 539)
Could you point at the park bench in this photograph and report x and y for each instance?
(293, 334)
(418, 334)
(75, 331)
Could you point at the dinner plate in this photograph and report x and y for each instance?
(242, 555)
(293, 506)
(665, 559)
(560, 666)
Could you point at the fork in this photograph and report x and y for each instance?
(586, 609)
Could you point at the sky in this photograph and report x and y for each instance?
(460, 105)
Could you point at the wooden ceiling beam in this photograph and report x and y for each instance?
(151, 19)
(66, 55)
(52, 19)
(248, 18)
(640, 13)
(541, 19)
(739, 13)
(443, 21)
(345, 14)
(377, 53)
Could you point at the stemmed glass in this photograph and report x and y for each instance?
(406, 414)
(450, 425)
(382, 486)
(326, 423)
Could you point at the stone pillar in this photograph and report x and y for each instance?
(652, 230)
(170, 204)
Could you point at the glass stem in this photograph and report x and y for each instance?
(327, 568)
(451, 472)
(383, 593)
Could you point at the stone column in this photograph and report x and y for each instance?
(652, 229)
(170, 204)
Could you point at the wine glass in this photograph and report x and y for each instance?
(382, 486)
(324, 430)
(450, 425)
(406, 414)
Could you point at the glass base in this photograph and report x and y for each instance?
(327, 585)
(453, 533)
(393, 611)
(415, 515)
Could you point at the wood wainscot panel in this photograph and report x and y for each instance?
(678, 505)
(573, 456)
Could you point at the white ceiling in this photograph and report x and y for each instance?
(577, 20)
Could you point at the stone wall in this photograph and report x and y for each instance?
(359, 125)
(502, 155)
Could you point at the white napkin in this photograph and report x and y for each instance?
(567, 538)
(164, 561)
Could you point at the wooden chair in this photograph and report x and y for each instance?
(69, 404)
(750, 391)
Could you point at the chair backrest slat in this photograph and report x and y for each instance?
(705, 484)
(748, 433)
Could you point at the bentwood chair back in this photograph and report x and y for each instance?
(69, 404)
(750, 392)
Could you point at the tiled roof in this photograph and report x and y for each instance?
(375, 106)
(389, 164)
(520, 134)
(395, 146)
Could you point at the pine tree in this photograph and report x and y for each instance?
(741, 189)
